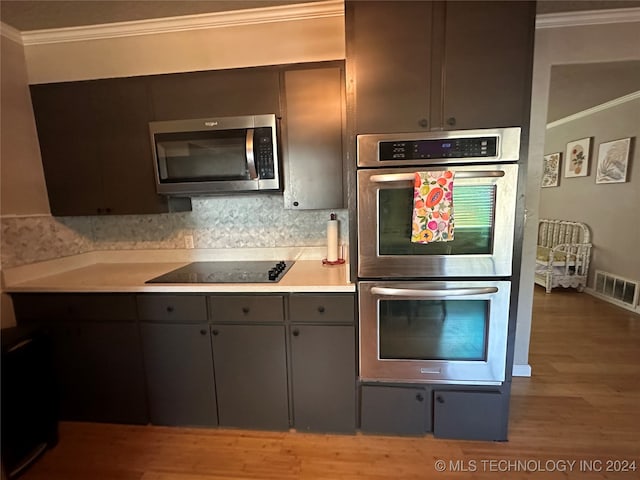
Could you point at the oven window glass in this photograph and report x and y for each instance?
(202, 156)
(433, 329)
(474, 212)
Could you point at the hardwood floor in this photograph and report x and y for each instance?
(581, 405)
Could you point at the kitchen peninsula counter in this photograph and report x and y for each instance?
(127, 271)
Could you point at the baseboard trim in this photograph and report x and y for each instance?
(521, 370)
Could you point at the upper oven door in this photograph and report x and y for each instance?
(484, 200)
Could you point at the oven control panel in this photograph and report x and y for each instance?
(449, 148)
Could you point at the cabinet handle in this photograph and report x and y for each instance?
(295, 204)
(108, 210)
(245, 310)
(321, 309)
(424, 123)
(419, 397)
(439, 399)
(203, 331)
(215, 332)
(451, 121)
(99, 210)
(170, 309)
(296, 332)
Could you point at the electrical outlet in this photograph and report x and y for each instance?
(188, 241)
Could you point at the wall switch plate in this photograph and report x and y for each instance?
(188, 241)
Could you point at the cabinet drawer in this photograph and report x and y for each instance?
(322, 308)
(254, 308)
(60, 307)
(172, 308)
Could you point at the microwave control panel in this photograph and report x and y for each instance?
(263, 151)
(439, 148)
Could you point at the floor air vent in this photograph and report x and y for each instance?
(618, 290)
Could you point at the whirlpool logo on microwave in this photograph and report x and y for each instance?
(210, 124)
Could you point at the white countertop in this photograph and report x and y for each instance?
(127, 271)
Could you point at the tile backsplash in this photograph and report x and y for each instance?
(214, 222)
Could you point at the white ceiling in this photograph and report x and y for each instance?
(25, 15)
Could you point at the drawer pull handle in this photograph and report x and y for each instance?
(439, 399)
(296, 332)
(203, 331)
(169, 309)
(419, 397)
(245, 310)
(321, 309)
(215, 332)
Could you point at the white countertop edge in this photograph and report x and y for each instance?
(193, 288)
(25, 273)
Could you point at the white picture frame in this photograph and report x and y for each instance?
(551, 170)
(576, 163)
(613, 161)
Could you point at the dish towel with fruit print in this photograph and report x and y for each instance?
(432, 207)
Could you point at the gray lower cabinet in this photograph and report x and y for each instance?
(251, 376)
(179, 373)
(398, 410)
(97, 354)
(470, 415)
(178, 359)
(323, 377)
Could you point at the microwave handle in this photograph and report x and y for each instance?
(408, 177)
(432, 293)
(251, 160)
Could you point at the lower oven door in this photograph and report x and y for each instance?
(440, 332)
(484, 204)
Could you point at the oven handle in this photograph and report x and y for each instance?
(432, 293)
(251, 162)
(408, 177)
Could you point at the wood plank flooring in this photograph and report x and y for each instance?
(581, 405)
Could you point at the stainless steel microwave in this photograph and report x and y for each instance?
(215, 155)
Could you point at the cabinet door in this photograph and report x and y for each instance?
(248, 91)
(323, 378)
(123, 112)
(69, 147)
(179, 372)
(395, 409)
(251, 379)
(488, 64)
(389, 44)
(100, 372)
(313, 138)
(465, 415)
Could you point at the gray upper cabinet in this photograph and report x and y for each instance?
(220, 93)
(96, 154)
(312, 138)
(439, 65)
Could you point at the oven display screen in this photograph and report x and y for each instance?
(483, 147)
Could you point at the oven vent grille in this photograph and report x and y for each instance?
(616, 289)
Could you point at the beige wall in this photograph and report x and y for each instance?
(23, 190)
(557, 46)
(610, 210)
(291, 41)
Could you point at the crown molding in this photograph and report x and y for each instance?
(598, 108)
(281, 13)
(11, 33)
(590, 17)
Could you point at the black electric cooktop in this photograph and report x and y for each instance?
(227, 272)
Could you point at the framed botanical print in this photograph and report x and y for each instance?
(551, 169)
(576, 162)
(613, 161)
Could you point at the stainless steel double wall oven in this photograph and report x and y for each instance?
(436, 312)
